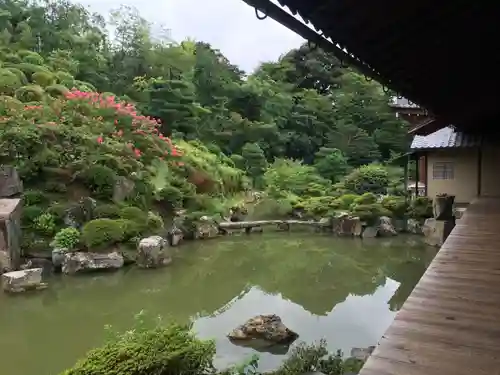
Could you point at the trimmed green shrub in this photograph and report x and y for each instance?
(397, 205)
(59, 211)
(9, 82)
(421, 208)
(29, 93)
(29, 215)
(171, 350)
(155, 223)
(108, 211)
(101, 180)
(370, 212)
(45, 224)
(134, 214)
(131, 229)
(33, 197)
(32, 58)
(100, 233)
(56, 90)
(12, 58)
(366, 198)
(43, 79)
(19, 74)
(66, 238)
(371, 178)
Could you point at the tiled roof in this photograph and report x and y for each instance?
(445, 138)
(402, 103)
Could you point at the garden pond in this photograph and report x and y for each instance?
(346, 291)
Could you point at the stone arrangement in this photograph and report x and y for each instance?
(10, 219)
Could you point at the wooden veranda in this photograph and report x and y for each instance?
(450, 324)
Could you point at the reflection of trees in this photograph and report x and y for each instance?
(314, 271)
(317, 272)
(407, 272)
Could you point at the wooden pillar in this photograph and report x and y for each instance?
(417, 175)
(479, 170)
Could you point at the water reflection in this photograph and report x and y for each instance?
(343, 290)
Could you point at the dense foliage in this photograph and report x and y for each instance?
(173, 349)
(81, 110)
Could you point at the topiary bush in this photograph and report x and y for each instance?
(421, 208)
(9, 82)
(19, 74)
(155, 223)
(397, 205)
(67, 238)
(371, 178)
(56, 90)
(30, 93)
(369, 213)
(100, 233)
(346, 201)
(43, 79)
(100, 179)
(33, 197)
(31, 57)
(108, 211)
(131, 229)
(134, 214)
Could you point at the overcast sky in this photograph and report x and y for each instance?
(229, 25)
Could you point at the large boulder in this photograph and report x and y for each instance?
(386, 228)
(346, 225)
(437, 231)
(206, 228)
(23, 280)
(153, 252)
(176, 236)
(414, 226)
(10, 182)
(268, 328)
(78, 262)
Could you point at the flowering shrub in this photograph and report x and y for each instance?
(79, 130)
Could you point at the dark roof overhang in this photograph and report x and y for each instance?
(442, 55)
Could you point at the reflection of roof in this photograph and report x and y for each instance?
(446, 137)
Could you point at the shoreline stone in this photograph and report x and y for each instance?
(23, 280)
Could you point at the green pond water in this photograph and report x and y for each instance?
(343, 290)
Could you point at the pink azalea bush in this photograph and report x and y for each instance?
(82, 128)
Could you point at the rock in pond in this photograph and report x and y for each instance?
(153, 252)
(267, 328)
(362, 353)
(77, 262)
(23, 280)
(386, 228)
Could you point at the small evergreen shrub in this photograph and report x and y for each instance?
(155, 223)
(101, 180)
(100, 233)
(108, 211)
(33, 197)
(131, 229)
(45, 224)
(29, 215)
(66, 238)
(134, 214)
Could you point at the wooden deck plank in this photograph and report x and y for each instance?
(450, 324)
